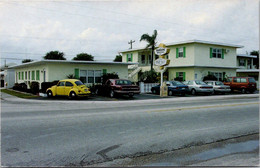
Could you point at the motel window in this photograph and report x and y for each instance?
(242, 62)
(19, 75)
(181, 76)
(143, 59)
(90, 76)
(33, 75)
(181, 52)
(129, 57)
(29, 75)
(25, 75)
(216, 53)
(98, 76)
(218, 75)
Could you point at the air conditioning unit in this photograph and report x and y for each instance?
(226, 50)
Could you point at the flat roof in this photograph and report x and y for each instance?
(70, 62)
(248, 70)
(190, 41)
(246, 55)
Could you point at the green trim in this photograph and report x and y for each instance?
(126, 57)
(222, 56)
(33, 75)
(37, 75)
(177, 74)
(22, 75)
(76, 72)
(184, 52)
(131, 57)
(210, 52)
(184, 76)
(104, 71)
(177, 52)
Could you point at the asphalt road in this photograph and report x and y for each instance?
(46, 133)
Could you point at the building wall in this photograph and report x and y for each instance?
(181, 61)
(201, 72)
(202, 56)
(189, 73)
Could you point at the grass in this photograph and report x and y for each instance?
(18, 94)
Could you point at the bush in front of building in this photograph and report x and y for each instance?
(34, 86)
(20, 87)
(45, 86)
(180, 79)
(210, 77)
(149, 77)
(107, 76)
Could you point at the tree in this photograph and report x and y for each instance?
(118, 58)
(26, 60)
(149, 76)
(151, 43)
(256, 61)
(84, 57)
(54, 55)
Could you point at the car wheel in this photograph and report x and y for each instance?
(112, 94)
(243, 91)
(49, 94)
(170, 93)
(72, 95)
(193, 92)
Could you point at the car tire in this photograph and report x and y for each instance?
(193, 92)
(243, 91)
(72, 95)
(112, 94)
(49, 94)
(170, 93)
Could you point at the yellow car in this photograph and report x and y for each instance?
(68, 87)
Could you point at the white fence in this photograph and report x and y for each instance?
(146, 87)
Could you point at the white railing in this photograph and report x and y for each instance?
(138, 69)
(146, 87)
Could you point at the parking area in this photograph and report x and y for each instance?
(143, 96)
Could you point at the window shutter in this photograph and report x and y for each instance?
(184, 76)
(184, 52)
(76, 73)
(222, 53)
(37, 75)
(177, 74)
(126, 57)
(210, 53)
(22, 75)
(104, 71)
(177, 52)
(131, 57)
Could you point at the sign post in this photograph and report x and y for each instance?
(161, 61)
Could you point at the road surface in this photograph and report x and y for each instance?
(46, 133)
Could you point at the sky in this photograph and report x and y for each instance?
(31, 28)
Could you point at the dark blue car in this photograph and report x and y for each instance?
(174, 87)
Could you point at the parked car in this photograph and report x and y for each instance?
(197, 86)
(242, 84)
(113, 87)
(219, 87)
(174, 87)
(68, 87)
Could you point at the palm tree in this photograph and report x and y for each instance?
(151, 43)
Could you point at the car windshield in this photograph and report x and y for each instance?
(219, 83)
(78, 83)
(251, 80)
(177, 83)
(200, 83)
(123, 82)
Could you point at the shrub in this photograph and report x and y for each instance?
(107, 76)
(45, 86)
(209, 77)
(149, 77)
(20, 87)
(34, 87)
(178, 79)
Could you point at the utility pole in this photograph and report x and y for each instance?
(131, 42)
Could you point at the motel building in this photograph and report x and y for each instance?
(189, 60)
(89, 72)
